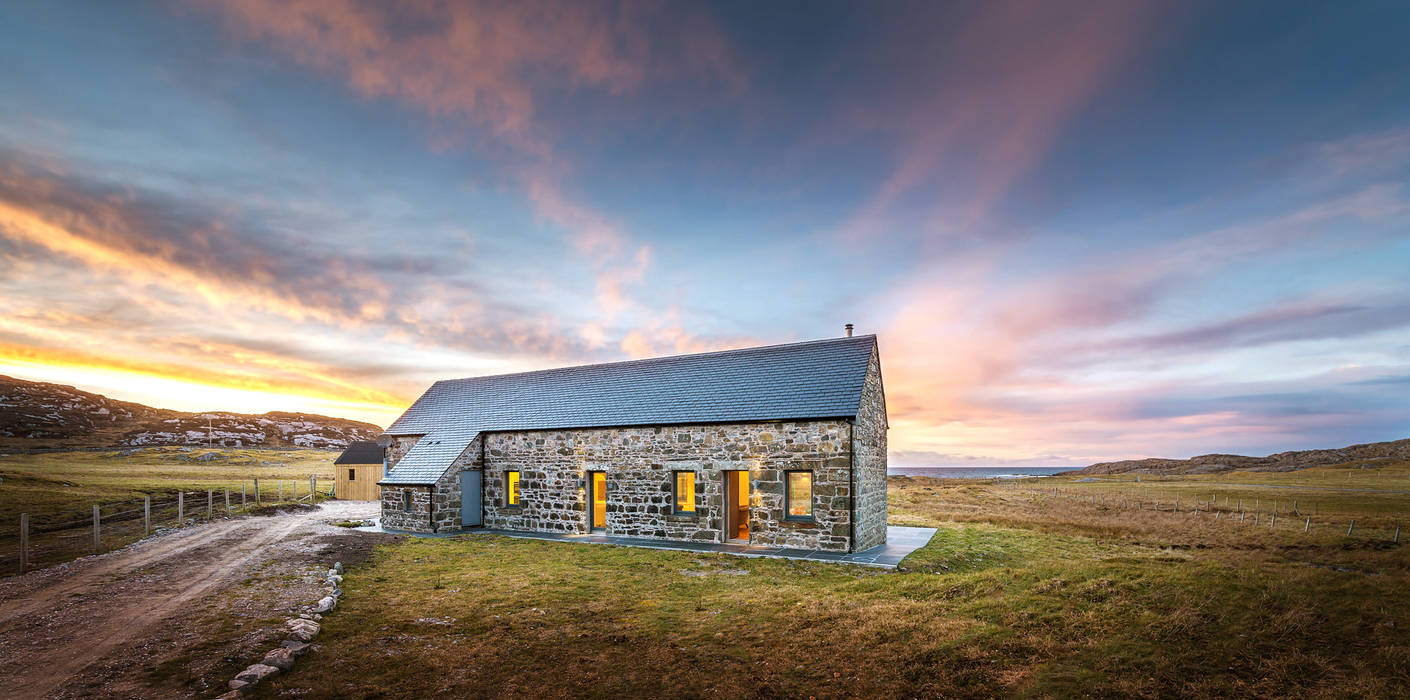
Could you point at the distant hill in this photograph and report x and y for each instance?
(1281, 462)
(43, 415)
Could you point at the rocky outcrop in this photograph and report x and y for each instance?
(1281, 462)
(43, 415)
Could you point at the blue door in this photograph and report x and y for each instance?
(470, 511)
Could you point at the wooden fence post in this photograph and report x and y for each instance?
(1397, 534)
(227, 501)
(146, 515)
(180, 508)
(281, 490)
(95, 528)
(24, 541)
(1350, 527)
(1273, 520)
(256, 493)
(242, 495)
(1308, 525)
(312, 490)
(210, 503)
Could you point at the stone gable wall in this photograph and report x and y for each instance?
(869, 459)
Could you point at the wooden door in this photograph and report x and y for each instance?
(737, 505)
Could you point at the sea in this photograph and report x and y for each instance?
(979, 472)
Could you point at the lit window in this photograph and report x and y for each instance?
(800, 495)
(685, 492)
(511, 488)
(352, 475)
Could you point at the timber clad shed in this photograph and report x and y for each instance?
(357, 471)
(783, 445)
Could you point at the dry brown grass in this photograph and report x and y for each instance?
(1018, 594)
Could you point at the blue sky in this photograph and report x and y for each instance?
(1080, 232)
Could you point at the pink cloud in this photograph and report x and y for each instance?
(983, 367)
(1003, 80)
(484, 64)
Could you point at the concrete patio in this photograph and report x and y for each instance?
(900, 542)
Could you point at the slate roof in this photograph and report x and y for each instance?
(796, 381)
(360, 453)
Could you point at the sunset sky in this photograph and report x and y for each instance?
(1081, 231)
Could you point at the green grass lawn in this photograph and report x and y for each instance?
(1017, 594)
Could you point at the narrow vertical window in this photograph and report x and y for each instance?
(406, 500)
(511, 488)
(352, 474)
(685, 493)
(800, 496)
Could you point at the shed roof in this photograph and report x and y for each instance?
(795, 381)
(361, 453)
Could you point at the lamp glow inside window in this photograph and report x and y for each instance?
(685, 492)
(511, 488)
(800, 495)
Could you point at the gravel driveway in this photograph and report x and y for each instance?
(154, 618)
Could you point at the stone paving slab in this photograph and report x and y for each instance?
(900, 542)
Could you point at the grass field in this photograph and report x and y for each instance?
(59, 488)
(1020, 592)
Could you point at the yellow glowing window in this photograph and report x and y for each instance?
(511, 488)
(685, 492)
(800, 495)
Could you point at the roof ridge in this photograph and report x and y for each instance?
(644, 360)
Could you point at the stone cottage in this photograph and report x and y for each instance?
(779, 446)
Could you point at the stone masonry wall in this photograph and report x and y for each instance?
(869, 460)
(640, 461)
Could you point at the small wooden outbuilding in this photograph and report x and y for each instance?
(357, 471)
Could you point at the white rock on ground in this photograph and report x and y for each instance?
(338, 567)
(295, 648)
(254, 673)
(326, 604)
(281, 658)
(300, 622)
(302, 635)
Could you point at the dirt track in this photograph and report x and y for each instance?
(58, 624)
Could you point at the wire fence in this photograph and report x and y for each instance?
(38, 540)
